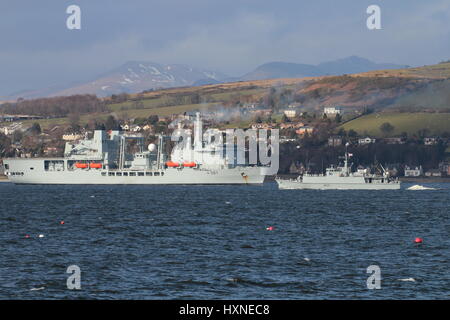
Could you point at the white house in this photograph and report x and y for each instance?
(332, 110)
(430, 141)
(413, 172)
(290, 113)
(366, 140)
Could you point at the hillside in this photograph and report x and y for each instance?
(410, 123)
(414, 89)
(436, 71)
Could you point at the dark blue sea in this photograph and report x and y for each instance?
(212, 242)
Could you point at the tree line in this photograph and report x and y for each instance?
(55, 107)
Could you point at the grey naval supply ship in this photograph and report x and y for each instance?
(104, 160)
(341, 178)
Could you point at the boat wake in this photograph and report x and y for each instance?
(419, 187)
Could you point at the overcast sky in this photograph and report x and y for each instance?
(37, 49)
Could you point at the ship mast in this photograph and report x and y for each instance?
(346, 160)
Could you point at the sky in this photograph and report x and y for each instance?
(37, 50)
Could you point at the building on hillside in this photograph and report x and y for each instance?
(290, 113)
(266, 126)
(366, 140)
(147, 127)
(413, 171)
(430, 141)
(433, 173)
(332, 111)
(8, 130)
(335, 141)
(284, 139)
(304, 130)
(72, 136)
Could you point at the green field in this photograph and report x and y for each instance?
(168, 100)
(411, 123)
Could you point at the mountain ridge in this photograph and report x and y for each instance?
(348, 65)
(138, 76)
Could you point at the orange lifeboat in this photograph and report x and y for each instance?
(95, 166)
(172, 164)
(81, 165)
(189, 164)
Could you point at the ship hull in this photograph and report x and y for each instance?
(294, 184)
(31, 171)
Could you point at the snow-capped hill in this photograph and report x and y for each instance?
(137, 76)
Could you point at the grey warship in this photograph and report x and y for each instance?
(342, 178)
(104, 160)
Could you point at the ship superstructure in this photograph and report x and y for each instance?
(342, 178)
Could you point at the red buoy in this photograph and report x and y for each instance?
(418, 240)
(270, 228)
(62, 222)
(27, 236)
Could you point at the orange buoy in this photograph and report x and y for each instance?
(189, 164)
(95, 165)
(81, 165)
(172, 164)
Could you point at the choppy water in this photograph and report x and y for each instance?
(211, 242)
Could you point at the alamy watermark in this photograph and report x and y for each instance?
(374, 280)
(374, 20)
(74, 280)
(73, 22)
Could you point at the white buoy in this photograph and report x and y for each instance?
(41, 235)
